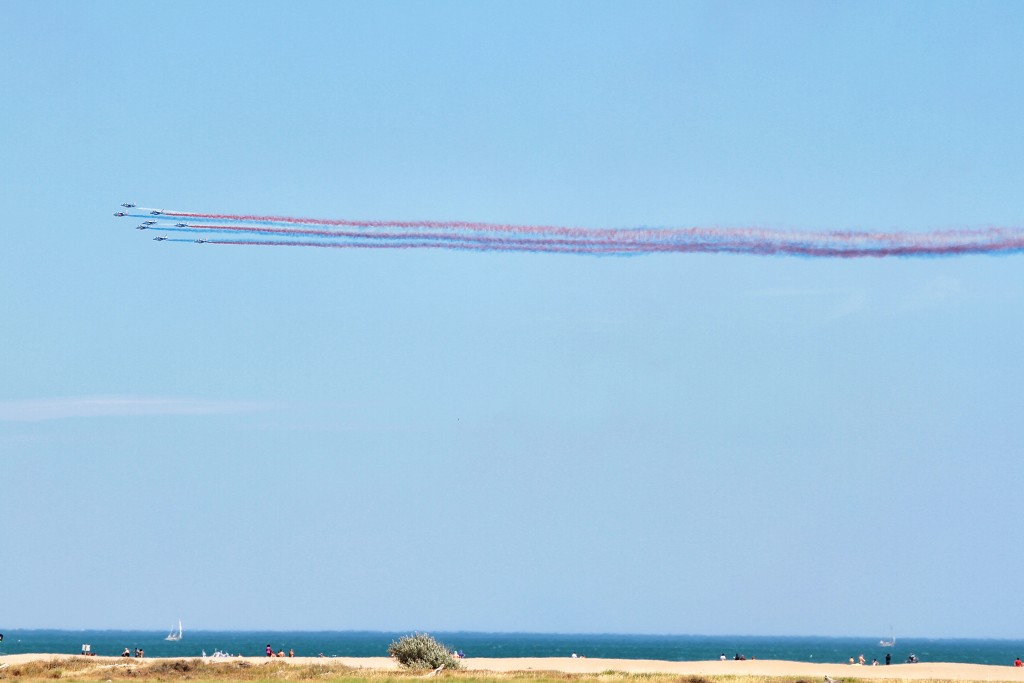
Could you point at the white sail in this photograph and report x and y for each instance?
(175, 635)
(892, 640)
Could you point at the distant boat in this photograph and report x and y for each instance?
(175, 635)
(889, 643)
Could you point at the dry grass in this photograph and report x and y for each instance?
(94, 669)
(109, 670)
(173, 670)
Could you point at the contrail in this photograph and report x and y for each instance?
(290, 231)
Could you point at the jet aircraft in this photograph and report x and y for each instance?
(119, 214)
(141, 227)
(159, 239)
(155, 213)
(181, 225)
(202, 241)
(128, 205)
(149, 222)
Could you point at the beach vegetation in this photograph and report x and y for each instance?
(422, 651)
(115, 670)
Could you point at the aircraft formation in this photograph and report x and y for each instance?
(288, 231)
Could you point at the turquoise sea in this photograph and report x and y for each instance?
(613, 646)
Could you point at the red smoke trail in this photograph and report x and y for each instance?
(441, 225)
(477, 236)
(569, 247)
(534, 247)
(595, 246)
(486, 239)
(895, 239)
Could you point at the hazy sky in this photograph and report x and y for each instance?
(280, 438)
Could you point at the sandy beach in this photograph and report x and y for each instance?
(809, 671)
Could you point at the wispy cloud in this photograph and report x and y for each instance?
(782, 292)
(843, 301)
(35, 410)
(934, 293)
(853, 302)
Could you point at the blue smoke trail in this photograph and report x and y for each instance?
(475, 236)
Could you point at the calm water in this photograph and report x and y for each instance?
(374, 644)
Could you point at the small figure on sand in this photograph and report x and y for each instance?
(270, 650)
(126, 653)
(1016, 662)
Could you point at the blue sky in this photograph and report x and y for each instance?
(275, 438)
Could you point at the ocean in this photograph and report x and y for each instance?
(611, 646)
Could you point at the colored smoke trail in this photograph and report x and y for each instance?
(267, 230)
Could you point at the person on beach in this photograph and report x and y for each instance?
(270, 650)
(126, 653)
(1017, 662)
(860, 660)
(291, 652)
(888, 658)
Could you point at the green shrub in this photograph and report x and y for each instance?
(421, 651)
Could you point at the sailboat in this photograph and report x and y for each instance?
(891, 642)
(175, 635)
